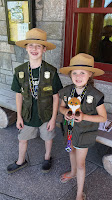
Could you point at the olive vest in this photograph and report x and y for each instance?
(84, 132)
(45, 91)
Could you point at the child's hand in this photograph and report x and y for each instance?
(68, 115)
(19, 123)
(79, 118)
(51, 124)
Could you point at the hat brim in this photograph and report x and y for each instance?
(96, 71)
(48, 45)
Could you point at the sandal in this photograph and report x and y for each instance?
(65, 178)
(84, 196)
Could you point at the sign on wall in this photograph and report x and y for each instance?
(19, 19)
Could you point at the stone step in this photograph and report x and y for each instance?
(7, 98)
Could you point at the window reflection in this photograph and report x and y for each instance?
(94, 3)
(107, 2)
(94, 36)
(105, 45)
(82, 3)
(97, 3)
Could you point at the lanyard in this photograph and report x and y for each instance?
(71, 122)
(31, 81)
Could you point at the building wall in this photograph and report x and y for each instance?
(50, 16)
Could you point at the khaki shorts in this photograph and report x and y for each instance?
(29, 132)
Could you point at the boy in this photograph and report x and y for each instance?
(36, 84)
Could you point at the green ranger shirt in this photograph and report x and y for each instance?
(57, 85)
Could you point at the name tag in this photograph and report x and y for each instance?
(47, 88)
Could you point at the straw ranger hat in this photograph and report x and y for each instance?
(38, 36)
(82, 61)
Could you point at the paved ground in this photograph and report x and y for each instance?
(31, 184)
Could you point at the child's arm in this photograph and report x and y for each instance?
(65, 111)
(51, 123)
(19, 100)
(101, 117)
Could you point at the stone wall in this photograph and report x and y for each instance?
(6, 50)
(50, 16)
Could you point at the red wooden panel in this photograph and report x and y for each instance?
(106, 77)
(104, 66)
(103, 3)
(75, 34)
(75, 3)
(89, 4)
(71, 34)
(108, 71)
(93, 10)
(68, 31)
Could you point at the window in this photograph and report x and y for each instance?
(20, 18)
(94, 36)
(89, 30)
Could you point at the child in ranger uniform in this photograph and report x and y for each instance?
(36, 84)
(81, 129)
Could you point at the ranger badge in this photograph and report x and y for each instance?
(21, 75)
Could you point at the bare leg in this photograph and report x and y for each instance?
(22, 151)
(72, 155)
(48, 147)
(80, 159)
(67, 176)
(73, 162)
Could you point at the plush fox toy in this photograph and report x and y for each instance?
(74, 105)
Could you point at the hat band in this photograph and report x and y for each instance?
(82, 65)
(35, 39)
